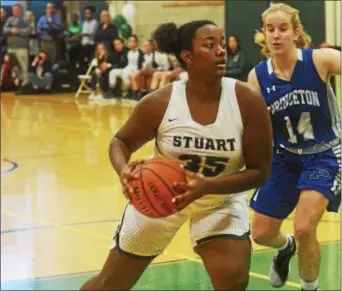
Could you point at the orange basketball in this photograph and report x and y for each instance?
(153, 190)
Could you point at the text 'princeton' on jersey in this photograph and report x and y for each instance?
(304, 109)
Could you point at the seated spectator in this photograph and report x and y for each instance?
(176, 72)
(101, 55)
(118, 55)
(135, 58)
(10, 73)
(144, 76)
(236, 63)
(163, 66)
(33, 42)
(104, 85)
(118, 59)
(106, 31)
(40, 73)
(108, 70)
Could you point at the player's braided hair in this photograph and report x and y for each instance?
(171, 39)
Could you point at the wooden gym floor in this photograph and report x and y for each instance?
(61, 203)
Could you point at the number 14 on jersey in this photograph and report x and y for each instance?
(304, 128)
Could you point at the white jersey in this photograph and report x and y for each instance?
(210, 150)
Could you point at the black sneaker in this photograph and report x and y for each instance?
(280, 267)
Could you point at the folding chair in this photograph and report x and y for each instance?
(84, 79)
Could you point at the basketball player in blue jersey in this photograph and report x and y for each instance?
(212, 124)
(307, 151)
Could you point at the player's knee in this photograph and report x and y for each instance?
(261, 235)
(232, 275)
(264, 229)
(237, 280)
(304, 231)
(241, 282)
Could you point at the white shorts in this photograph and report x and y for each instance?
(113, 75)
(142, 236)
(128, 71)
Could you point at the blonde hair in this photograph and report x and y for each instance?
(304, 39)
(105, 13)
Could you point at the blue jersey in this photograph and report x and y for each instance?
(303, 110)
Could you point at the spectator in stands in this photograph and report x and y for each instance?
(18, 32)
(10, 73)
(73, 39)
(176, 72)
(3, 37)
(108, 70)
(118, 54)
(40, 75)
(107, 31)
(149, 53)
(135, 58)
(50, 29)
(236, 62)
(89, 29)
(105, 67)
(101, 55)
(75, 28)
(119, 60)
(163, 66)
(144, 76)
(33, 42)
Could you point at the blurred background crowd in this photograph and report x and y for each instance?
(58, 52)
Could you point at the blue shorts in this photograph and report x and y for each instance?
(292, 173)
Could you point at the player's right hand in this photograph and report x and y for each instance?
(127, 175)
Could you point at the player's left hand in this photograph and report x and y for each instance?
(189, 191)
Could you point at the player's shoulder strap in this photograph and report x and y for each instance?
(305, 54)
(262, 70)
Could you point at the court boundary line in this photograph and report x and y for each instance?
(14, 230)
(75, 274)
(14, 166)
(102, 237)
(156, 264)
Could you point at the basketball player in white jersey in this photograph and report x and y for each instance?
(220, 129)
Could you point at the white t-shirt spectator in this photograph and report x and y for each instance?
(89, 27)
(162, 61)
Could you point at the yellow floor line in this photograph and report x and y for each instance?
(105, 237)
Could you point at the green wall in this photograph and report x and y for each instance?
(244, 17)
